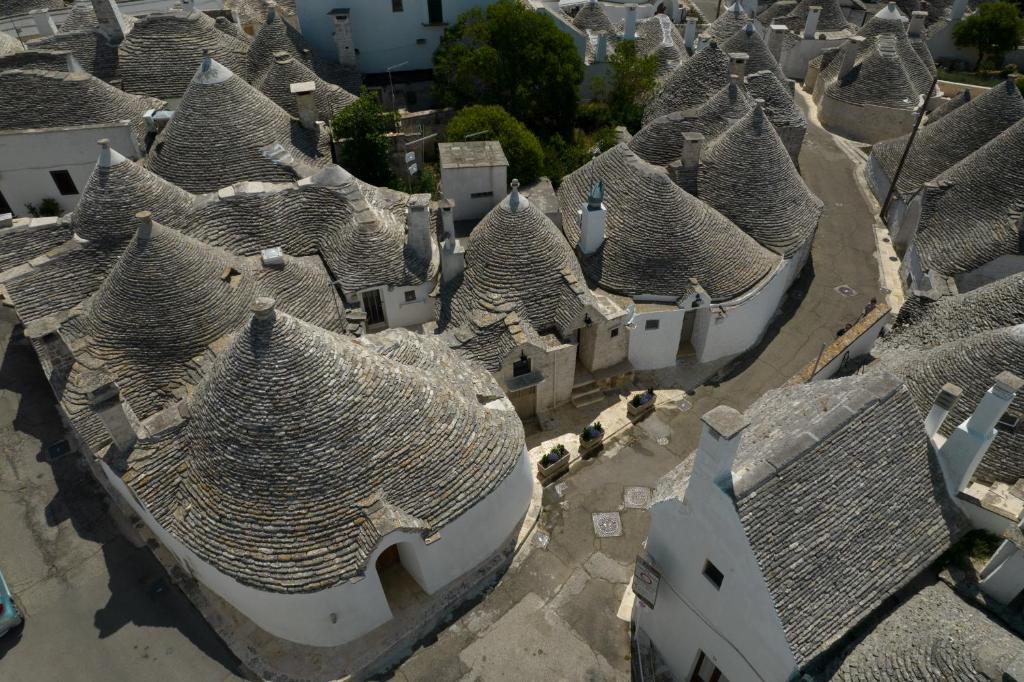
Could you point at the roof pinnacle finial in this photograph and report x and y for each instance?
(758, 113)
(513, 197)
(749, 29)
(145, 229)
(596, 197)
(263, 308)
(206, 60)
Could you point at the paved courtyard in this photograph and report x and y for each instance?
(99, 608)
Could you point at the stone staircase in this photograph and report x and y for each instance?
(586, 394)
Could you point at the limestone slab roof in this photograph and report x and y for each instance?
(972, 364)
(969, 214)
(301, 444)
(117, 189)
(923, 323)
(779, 105)
(24, 242)
(759, 57)
(954, 102)
(13, 8)
(950, 139)
(845, 523)
(276, 35)
(9, 45)
(661, 141)
(515, 256)
(221, 132)
(46, 60)
(232, 29)
(276, 81)
(591, 16)
(161, 53)
(471, 154)
(831, 20)
(748, 176)
(92, 50)
(657, 236)
(696, 79)
(658, 36)
(934, 636)
(82, 17)
(732, 20)
(31, 98)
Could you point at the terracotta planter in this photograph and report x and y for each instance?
(552, 471)
(588, 448)
(636, 413)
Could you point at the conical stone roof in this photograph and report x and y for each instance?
(220, 133)
(691, 84)
(275, 36)
(116, 190)
(298, 438)
(732, 20)
(591, 16)
(831, 20)
(950, 139)
(9, 45)
(759, 57)
(225, 25)
(161, 53)
(658, 36)
(285, 70)
(657, 236)
(12, 8)
(747, 175)
(953, 103)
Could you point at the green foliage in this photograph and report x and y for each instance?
(977, 546)
(365, 151)
(48, 207)
(553, 455)
(562, 156)
(424, 182)
(978, 79)
(594, 115)
(514, 57)
(522, 148)
(632, 84)
(993, 30)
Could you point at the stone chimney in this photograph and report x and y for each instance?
(44, 22)
(593, 217)
(685, 171)
(71, 64)
(55, 348)
(849, 57)
(145, 229)
(811, 23)
(944, 402)
(690, 33)
(959, 8)
(750, 7)
(738, 64)
(188, 6)
(776, 38)
(117, 416)
(601, 51)
(111, 23)
(447, 217)
(303, 93)
(960, 454)
(453, 259)
(629, 30)
(916, 28)
(719, 442)
(418, 226)
(343, 38)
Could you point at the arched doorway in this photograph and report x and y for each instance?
(400, 588)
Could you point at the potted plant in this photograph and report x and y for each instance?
(591, 439)
(553, 464)
(640, 405)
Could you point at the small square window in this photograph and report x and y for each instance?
(615, 332)
(65, 185)
(480, 195)
(712, 573)
(396, 6)
(410, 296)
(652, 324)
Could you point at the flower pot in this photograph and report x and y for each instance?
(552, 471)
(590, 447)
(638, 412)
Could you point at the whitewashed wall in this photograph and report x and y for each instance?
(1001, 267)
(400, 313)
(459, 184)
(28, 156)
(794, 60)
(864, 123)
(361, 606)
(655, 348)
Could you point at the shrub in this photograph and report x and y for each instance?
(592, 431)
(993, 30)
(522, 148)
(48, 207)
(553, 455)
(364, 126)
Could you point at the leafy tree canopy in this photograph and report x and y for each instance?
(516, 58)
(522, 148)
(363, 126)
(632, 83)
(993, 30)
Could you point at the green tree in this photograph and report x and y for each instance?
(633, 81)
(522, 148)
(363, 128)
(514, 57)
(993, 30)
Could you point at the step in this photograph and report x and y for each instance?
(587, 395)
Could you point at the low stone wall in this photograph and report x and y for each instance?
(864, 123)
(855, 343)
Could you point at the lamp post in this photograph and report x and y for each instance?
(391, 83)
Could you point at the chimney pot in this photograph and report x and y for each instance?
(601, 52)
(593, 217)
(738, 64)
(629, 30)
(916, 28)
(690, 34)
(44, 22)
(145, 229)
(719, 442)
(811, 23)
(110, 21)
(418, 226)
(850, 51)
(117, 416)
(944, 402)
(263, 308)
(305, 103)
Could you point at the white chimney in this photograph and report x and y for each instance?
(916, 28)
(692, 145)
(188, 6)
(601, 52)
(776, 36)
(593, 217)
(1002, 578)
(145, 228)
(738, 64)
(960, 454)
(944, 402)
(719, 442)
(811, 24)
(959, 8)
(453, 259)
(343, 38)
(850, 51)
(44, 22)
(71, 64)
(447, 218)
(418, 225)
(751, 7)
(629, 31)
(690, 34)
(111, 23)
(117, 416)
(305, 103)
